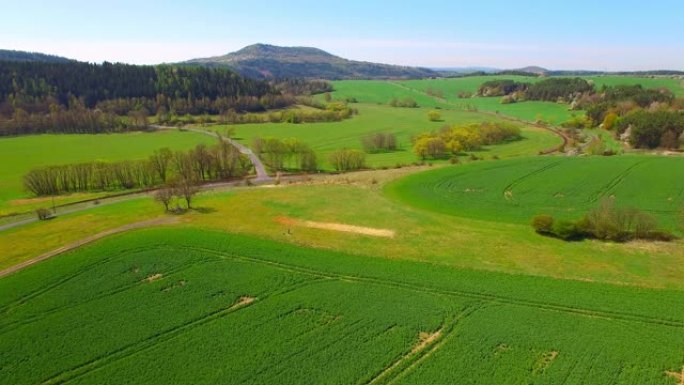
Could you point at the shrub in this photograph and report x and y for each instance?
(43, 214)
(543, 224)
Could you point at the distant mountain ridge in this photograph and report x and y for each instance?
(24, 56)
(264, 61)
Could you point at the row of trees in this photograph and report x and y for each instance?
(333, 112)
(606, 222)
(200, 164)
(285, 154)
(456, 139)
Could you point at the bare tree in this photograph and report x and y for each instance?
(164, 196)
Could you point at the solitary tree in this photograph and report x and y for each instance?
(187, 188)
(164, 196)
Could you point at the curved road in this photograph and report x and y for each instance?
(262, 175)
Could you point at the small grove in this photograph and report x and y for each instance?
(453, 140)
(201, 164)
(607, 222)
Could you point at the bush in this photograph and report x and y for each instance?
(606, 222)
(43, 214)
(543, 224)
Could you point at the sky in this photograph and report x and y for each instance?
(598, 35)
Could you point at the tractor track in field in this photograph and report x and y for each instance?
(163, 336)
(619, 178)
(494, 298)
(74, 245)
(519, 180)
(8, 327)
(424, 350)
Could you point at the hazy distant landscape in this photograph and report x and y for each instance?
(306, 195)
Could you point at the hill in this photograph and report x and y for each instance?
(269, 61)
(23, 56)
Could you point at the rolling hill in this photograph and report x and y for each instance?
(23, 56)
(268, 61)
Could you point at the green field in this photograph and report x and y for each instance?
(403, 122)
(189, 306)
(21, 154)
(381, 92)
(515, 191)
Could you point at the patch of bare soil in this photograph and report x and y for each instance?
(243, 301)
(545, 361)
(678, 376)
(92, 238)
(371, 231)
(153, 277)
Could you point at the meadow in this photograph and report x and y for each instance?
(567, 187)
(405, 123)
(21, 154)
(202, 307)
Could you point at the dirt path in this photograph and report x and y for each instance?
(84, 241)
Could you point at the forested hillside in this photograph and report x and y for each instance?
(84, 97)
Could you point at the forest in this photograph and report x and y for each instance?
(37, 97)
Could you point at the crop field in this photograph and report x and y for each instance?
(382, 92)
(21, 154)
(403, 122)
(516, 190)
(190, 306)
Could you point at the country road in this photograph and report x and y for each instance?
(262, 175)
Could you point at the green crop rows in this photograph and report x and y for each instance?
(185, 306)
(516, 190)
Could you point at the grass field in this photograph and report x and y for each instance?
(188, 306)
(358, 199)
(21, 154)
(515, 191)
(403, 122)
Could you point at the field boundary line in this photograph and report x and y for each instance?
(74, 245)
(497, 298)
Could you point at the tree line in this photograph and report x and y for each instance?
(203, 163)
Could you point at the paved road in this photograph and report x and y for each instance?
(262, 175)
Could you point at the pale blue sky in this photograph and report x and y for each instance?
(604, 35)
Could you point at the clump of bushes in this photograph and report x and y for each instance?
(457, 139)
(379, 142)
(405, 103)
(348, 160)
(607, 222)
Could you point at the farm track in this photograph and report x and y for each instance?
(494, 298)
(161, 337)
